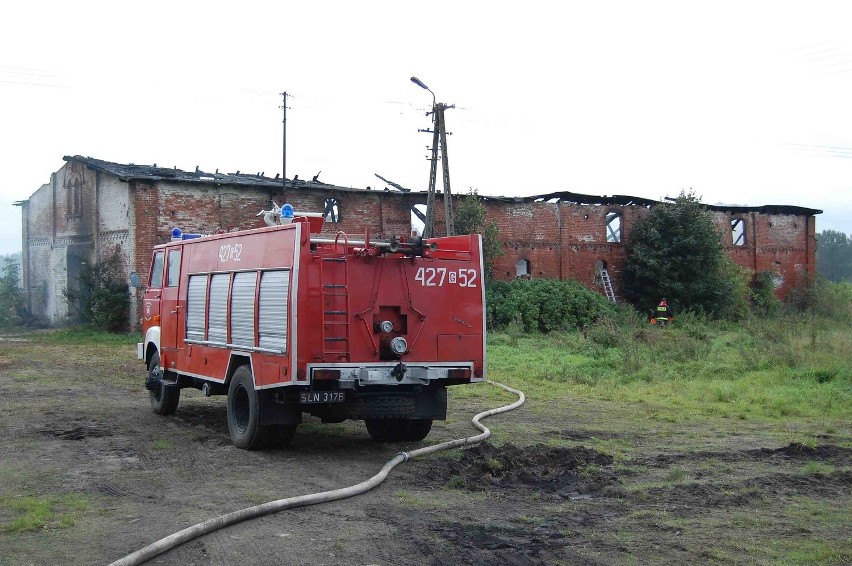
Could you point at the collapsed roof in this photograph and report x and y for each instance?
(133, 172)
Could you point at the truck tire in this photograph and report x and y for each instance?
(377, 428)
(244, 411)
(419, 429)
(280, 436)
(398, 430)
(381, 408)
(164, 396)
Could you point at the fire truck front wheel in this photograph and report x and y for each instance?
(244, 411)
(164, 397)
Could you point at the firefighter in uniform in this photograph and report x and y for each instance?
(662, 314)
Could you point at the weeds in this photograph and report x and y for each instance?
(163, 444)
(813, 468)
(676, 475)
(764, 368)
(32, 513)
(87, 336)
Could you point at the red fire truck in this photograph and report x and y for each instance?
(285, 322)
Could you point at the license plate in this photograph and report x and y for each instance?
(322, 397)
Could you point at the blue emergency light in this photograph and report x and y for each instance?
(177, 235)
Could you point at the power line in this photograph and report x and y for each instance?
(33, 84)
(822, 150)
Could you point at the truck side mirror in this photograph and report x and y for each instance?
(134, 279)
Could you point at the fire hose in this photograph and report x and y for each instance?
(167, 543)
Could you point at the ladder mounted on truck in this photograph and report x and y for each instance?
(334, 289)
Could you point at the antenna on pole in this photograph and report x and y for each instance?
(284, 147)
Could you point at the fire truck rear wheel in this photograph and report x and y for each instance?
(164, 397)
(244, 412)
(398, 430)
(419, 429)
(280, 436)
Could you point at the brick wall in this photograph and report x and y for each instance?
(558, 239)
(782, 244)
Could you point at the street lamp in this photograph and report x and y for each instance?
(419, 83)
(428, 225)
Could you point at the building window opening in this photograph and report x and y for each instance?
(613, 227)
(332, 210)
(418, 219)
(738, 235)
(74, 188)
(523, 268)
(600, 266)
(777, 275)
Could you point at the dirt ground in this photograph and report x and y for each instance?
(573, 482)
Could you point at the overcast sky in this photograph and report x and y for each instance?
(744, 102)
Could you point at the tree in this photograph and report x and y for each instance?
(834, 256)
(11, 295)
(16, 257)
(469, 217)
(676, 252)
(103, 299)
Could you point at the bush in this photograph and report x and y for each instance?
(103, 299)
(819, 296)
(694, 325)
(834, 256)
(470, 216)
(607, 333)
(544, 305)
(763, 294)
(676, 252)
(12, 307)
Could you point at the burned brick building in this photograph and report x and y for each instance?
(91, 207)
(574, 236)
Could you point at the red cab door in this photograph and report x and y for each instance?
(170, 311)
(153, 292)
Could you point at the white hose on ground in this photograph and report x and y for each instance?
(197, 530)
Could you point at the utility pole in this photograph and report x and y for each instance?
(439, 137)
(284, 150)
(448, 196)
(429, 227)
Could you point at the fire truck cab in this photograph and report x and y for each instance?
(285, 322)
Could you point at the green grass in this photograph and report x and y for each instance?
(84, 335)
(32, 513)
(759, 370)
(803, 531)
(799, 521)
(812, 468)
(163, 444)
(677, 475)
(494, 465)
